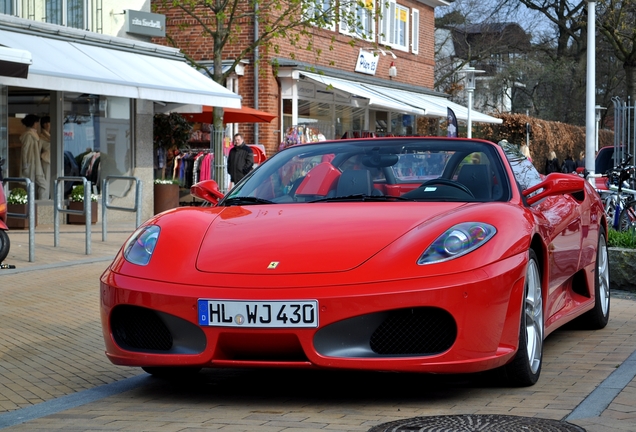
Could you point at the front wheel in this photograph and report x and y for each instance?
(5, 244)
(598, 317)
(525, 368)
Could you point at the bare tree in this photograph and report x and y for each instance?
(616, 22)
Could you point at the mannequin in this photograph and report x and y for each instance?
(31, 167)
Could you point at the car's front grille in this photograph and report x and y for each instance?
(138, 328)
(417, 331)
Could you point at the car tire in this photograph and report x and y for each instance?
(597, 317)
(525, 368)
(172, 372)
(5, 244)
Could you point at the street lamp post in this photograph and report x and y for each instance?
(590, 90)
(470, 72)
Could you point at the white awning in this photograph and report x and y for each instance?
(66, 65)
(433, 105)
(14, 62)
(376, 100)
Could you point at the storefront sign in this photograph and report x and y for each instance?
(306, 90)
(145, 23)
(367, 62)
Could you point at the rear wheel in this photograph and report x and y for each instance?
(627, 217)
(4, 245)
(598, 317)
(525, 368)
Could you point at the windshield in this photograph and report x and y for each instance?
(411, 169)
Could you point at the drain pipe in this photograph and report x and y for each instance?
(256, 70)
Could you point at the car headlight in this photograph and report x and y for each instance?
(141, 245)
(457, 241)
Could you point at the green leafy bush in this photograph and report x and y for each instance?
(623, 239)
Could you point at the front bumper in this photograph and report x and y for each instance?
(464, 322)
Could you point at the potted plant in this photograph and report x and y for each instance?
(166, 195)
(76, 202)
(17, 202)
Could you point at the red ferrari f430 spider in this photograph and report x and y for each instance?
(433, 255)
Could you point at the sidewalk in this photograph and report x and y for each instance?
(71, 247)
(54, 374)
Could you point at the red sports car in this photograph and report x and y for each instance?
(394, 254)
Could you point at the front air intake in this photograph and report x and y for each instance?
(417, 331)
(135, 328)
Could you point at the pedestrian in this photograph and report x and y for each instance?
(31, 159)
(240, 161)
(526, 151)
(569, 166)
(581, 162)
(45, 155)
(552, 163)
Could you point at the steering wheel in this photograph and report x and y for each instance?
(447, 182)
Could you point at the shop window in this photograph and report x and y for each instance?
(394, 25)
(402, 124)
(357, 19)
(97, 135)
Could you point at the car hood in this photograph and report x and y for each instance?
(307, 238)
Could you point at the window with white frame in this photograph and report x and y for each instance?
(394, 25)
(7, 7)
(357, 18)
(69, 13)
(321, 11)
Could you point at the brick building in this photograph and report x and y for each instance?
(379, 86)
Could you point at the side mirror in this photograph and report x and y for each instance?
(555, 184)
(207, 190)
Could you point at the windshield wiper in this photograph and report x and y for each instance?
(245, 200)
(362, 197)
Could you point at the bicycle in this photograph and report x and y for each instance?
(620, 198)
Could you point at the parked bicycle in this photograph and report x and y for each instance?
(620, 197)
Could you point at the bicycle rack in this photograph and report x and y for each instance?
(106, 204)
(30, 214)
(58, 195)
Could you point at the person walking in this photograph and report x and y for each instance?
(45, 155)
(581, 162)
(31, 159)
(569, 166)
(552, 164)
(240, 161)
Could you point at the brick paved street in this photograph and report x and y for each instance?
(55, 376)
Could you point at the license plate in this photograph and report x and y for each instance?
(268, 314)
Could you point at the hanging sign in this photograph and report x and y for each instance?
(367, 62)
(145, 23)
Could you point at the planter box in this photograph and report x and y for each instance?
(166, 197)
(19, 223)
(81, 219)
(622, 266)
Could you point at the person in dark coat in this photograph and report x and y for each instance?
(552, 164)
(581, 162)
(569, 166)
(240, 161)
